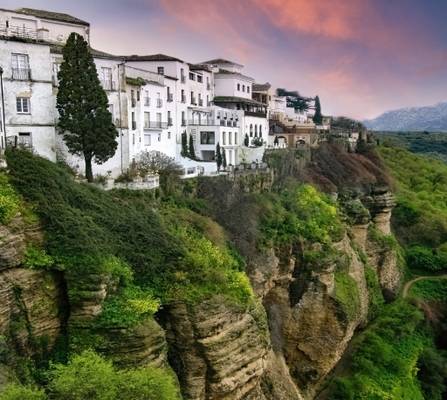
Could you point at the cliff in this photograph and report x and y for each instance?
(274, 336)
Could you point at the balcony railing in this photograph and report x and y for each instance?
(259, 114)
(202, 122)
(108, 85)
(159, 103)
(147, 101)
(155, 125)
(18, 31)
(170, 98)
(21, 74)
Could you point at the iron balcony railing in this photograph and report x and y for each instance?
(259, 114)
(18, 31)
(21, 74)
(155, 125)
(202, 122)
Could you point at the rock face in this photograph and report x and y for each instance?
(217, 351)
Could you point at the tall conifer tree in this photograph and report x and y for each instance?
(218, 157)
(84, 119)
(192, 152)
(318, 117)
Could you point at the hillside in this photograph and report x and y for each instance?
(431, 118)
(244, 289)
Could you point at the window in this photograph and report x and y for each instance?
(132, 97)
(147, 119)
(134, 123)
(20, 66)
(235, 138)
(238, 86)
(183, 119)
(207, 100)
(161, 70)
(248, 89)
(56, 69)
(224, 138)
(192, 77)
(243, 88)
(251, 130)
(106, 77)
(159, 137)
(193, 100)
(138, 95)
(23, 105)
(260, 130)
(206, 137)
(169, 135)
(230, 138)
(25, 139)
(182, 75)
(183, 96)
(159, 120)
(147, 139)
(147, 100)
(256, 130)
(199, 78)
(169, 119)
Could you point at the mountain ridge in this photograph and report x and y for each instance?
(425, 118)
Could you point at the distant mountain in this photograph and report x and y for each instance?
(432, 118)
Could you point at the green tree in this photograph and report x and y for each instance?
(84, 119)
(86, 376)
(318, 117)
(184, 151)
(276, 141)
(192, 152)
(224, 159)
(17, 392)
(218, 157)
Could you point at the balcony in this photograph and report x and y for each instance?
(159, 103)
(148, 125)
(147, 102)
(170, 98)
(108, 85)
(18, 31)
(201, 122)
(259, 114)
(21, 74)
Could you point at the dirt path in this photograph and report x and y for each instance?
(409, 284)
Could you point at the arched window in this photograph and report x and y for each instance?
(256, 130)
(251, 130)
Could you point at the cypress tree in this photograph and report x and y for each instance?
(318, 118)
(84, 119)
(184, 151)
(192, 153)
(218, 157)
(224, 159)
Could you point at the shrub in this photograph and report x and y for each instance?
(432, 373)
(376, 300)
(17, 392)
(430, 289)
(89, 376)
(9, 201)
(424, 259)
(36, 258)
(347, 294)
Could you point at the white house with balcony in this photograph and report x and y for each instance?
(233, 91)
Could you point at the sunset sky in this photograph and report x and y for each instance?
(362, 57)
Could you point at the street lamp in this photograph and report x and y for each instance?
(3, 109)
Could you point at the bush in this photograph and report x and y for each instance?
(347, 294)
(89, 376)
(9, 201)
(36, 258)
(432, 373)
(17, 392)
(424, 259)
